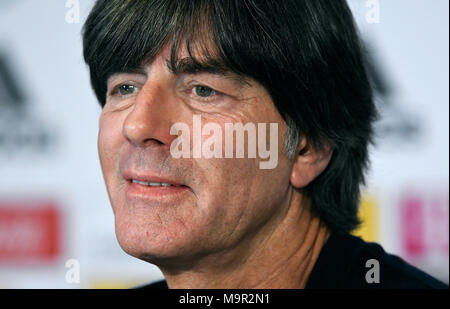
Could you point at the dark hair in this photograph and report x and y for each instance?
(306, 53)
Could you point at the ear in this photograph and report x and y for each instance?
(309, 163)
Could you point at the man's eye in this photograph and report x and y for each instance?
(203, 91)
(126, 89)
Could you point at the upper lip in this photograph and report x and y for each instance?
(149, 177)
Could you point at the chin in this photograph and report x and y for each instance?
(153, 245)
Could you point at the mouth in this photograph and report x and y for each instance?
(149, 186)
(154, 184)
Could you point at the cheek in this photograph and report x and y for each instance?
(109, 141)
(237, 197)
(242, 194)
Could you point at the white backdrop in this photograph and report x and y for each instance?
(49, 122)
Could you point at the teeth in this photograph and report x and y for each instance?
(152, 184)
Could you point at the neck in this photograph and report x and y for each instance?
(280, 256)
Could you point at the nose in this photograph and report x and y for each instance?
(151, 117)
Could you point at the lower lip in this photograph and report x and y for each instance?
(136, 189)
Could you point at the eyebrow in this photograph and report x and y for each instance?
(188, 65)
(140, 70)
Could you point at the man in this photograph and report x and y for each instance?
(161, 68)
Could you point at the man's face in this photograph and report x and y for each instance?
(217, 203)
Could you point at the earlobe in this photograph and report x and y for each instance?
(309, 163)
